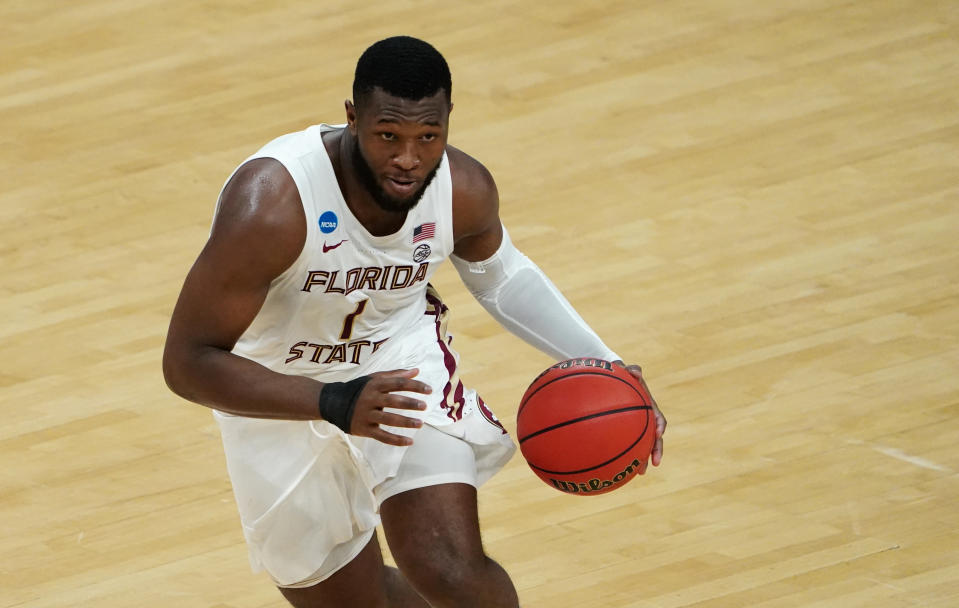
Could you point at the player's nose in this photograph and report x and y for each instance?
(407, 158)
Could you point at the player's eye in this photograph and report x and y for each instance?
(429, 137)
(388, 136)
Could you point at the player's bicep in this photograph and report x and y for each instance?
(477, 230)
(480, 246)
(257, 234)
(218, 301)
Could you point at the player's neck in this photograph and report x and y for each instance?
(376, 220)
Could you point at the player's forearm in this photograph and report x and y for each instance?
(518, 295)
(221, 380)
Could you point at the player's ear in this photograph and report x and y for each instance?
(350, 116)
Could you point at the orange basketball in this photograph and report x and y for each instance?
(586, 426)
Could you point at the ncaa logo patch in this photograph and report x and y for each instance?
(328, 222)
(422, 252)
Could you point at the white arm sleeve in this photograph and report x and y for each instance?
(517, 294)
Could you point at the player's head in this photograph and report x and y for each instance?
(403, 67)
(399, 119)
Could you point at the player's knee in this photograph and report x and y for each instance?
(455, 581)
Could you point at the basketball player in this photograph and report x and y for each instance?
(308, 324)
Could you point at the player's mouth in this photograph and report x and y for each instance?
(402, 186)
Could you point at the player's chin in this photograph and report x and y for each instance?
(394, 204)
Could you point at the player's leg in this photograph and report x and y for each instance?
(434, 536)
(431, 522)
(365, 581)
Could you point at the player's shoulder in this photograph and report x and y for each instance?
(475, 197)
(471, 179)
(469, 175)
(260, 207)
(261, 191)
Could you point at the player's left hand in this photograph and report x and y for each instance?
(656, 456)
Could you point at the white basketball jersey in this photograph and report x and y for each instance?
(349, 292)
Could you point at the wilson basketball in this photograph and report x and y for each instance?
(586, 426)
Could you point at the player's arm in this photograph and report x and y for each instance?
(258, 233)
(510, 286)
(507, 283)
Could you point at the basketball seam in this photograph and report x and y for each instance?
(602, 464)
(631, 408)
(584, 373)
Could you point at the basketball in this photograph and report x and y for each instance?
(586, 426)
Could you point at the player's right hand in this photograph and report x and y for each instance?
(380, 393)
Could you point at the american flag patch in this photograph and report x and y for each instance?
(424, 231)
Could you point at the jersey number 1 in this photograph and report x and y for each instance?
(350, 318)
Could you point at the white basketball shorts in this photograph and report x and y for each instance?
(309, 495)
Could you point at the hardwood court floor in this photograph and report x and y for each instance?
(757, 201)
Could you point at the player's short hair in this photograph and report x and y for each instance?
(404, 67)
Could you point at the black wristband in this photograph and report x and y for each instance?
(338, 400)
